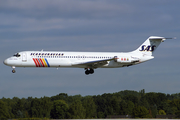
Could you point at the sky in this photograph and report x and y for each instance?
(92, 26)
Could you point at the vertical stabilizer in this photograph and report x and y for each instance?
(150, 45)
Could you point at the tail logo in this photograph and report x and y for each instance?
(147, 48)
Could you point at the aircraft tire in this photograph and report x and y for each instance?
(91, 71)
(13, 71)
(87, 72)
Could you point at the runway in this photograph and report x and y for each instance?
(115, 119)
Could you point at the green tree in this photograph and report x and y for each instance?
(27, 107)
(142, 92)
(132, 98)
(3, 110)
(153, 109)
(140, 112)
(123, 106)
(155, 98)
(9, 102)
(59, 109)
(168, 107)
(36, 109)
(76, 110)
(115, 104)
(60, 96)
(175, 106)
(100, 115)
(109, 105)
(128, 92)
(90, 107)
(18, 108)
(144, 102)
(162, 112)
(101, 106)
(46, 106)
(130, 108)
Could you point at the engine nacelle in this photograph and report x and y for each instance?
(126, 59)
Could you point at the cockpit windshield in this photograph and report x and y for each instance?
(17, 55)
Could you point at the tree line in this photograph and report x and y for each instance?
(138, 104)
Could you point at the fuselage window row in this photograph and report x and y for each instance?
(61, 55)
(73, 57)
(45, 54)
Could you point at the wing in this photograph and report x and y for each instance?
(93, 64)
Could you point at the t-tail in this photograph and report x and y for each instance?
(150, 45)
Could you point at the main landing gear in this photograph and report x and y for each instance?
(13, 71)
(89, 71)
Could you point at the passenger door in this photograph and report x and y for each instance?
(24, 57)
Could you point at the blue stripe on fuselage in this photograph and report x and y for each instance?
(47, 62)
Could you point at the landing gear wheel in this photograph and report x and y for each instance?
(91, 71)
(87, 72)
(13, 71)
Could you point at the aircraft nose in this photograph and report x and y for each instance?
(5, 62)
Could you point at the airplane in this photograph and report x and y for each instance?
(87, 60)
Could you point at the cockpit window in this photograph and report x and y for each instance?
(17, 55)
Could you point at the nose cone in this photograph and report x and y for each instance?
(5, 62)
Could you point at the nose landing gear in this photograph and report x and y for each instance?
(89, 71)
(13, 71)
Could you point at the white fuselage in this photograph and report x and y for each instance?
(69, 59)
